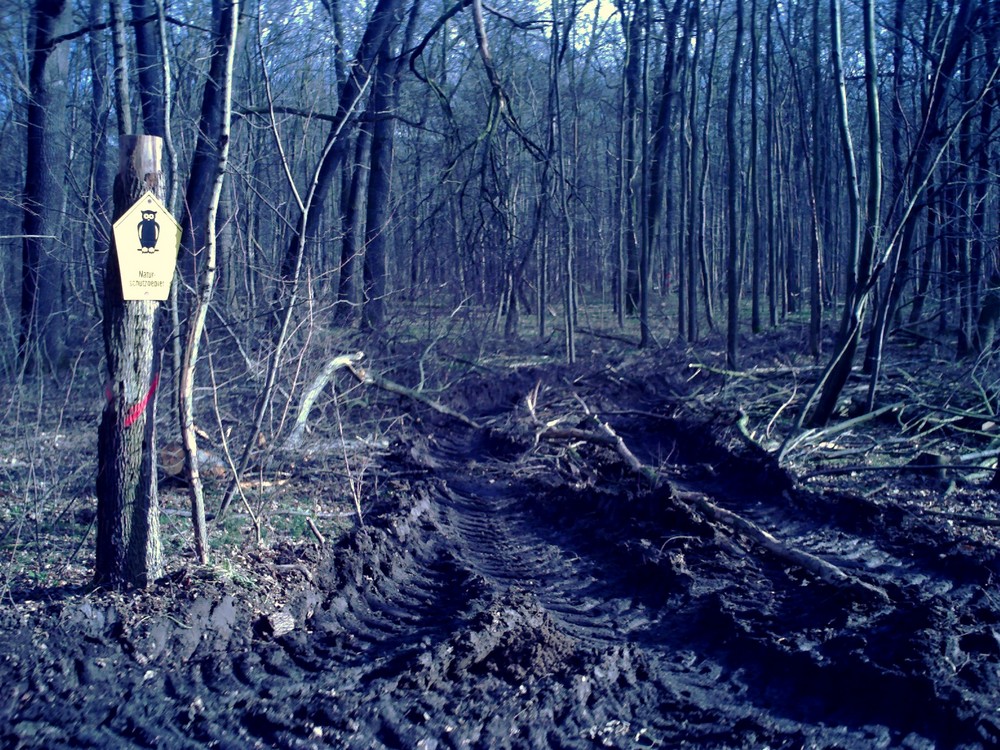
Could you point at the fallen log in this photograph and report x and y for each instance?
(367, 377)
(825, 571)
(694, 502)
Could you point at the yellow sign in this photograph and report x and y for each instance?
(147, 238)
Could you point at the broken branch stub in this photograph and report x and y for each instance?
(313, 392)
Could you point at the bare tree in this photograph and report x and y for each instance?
(382, 108)
(42, 331)
(226, 15)
(734, 183)
(862, 240)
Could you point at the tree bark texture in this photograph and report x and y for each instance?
(149, 68)
(128, 532)
(378, 213)
(201, 179)
(352, 228)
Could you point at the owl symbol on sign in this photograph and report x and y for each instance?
(149, 232)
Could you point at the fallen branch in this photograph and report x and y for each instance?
(619, 445)
(978, 455)
(809, 436)
(608, 336)
(604, 434)
(969, 518)
(294, 439)
(753, 373)
(692, 501)
(368, 378)
(859, 468)
(819, 567)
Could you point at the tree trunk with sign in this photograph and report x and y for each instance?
(128, 532)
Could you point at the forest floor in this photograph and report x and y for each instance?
(613, 557)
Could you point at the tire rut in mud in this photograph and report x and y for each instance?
(507, 612)
(494, 604)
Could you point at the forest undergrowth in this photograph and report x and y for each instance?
(931, 443)
(630, 543)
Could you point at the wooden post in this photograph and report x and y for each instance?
(128, 527)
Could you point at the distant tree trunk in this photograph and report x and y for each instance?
(702, 256)
(817, 179)
(684, 202)
(377, 225)
(981, 305)
(99, 183)
(695, 204)
(42, 333)
(921, 165)
(733, 186)
(382, 24)
(620, 210)
(557, 47)
(772, 185)
(632, 30)
(352, 228)
(757, 271)
(128, 550)
(658, 160)
(964, 210)
(862, 242)
(929, 254)
(209, 142)
(383, 106)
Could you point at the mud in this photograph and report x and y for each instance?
(504, 594)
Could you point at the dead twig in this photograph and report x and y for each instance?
(367, 377)
(315, 530)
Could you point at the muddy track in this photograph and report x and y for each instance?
(496, 604)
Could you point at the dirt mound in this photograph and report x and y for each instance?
(516, 594)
